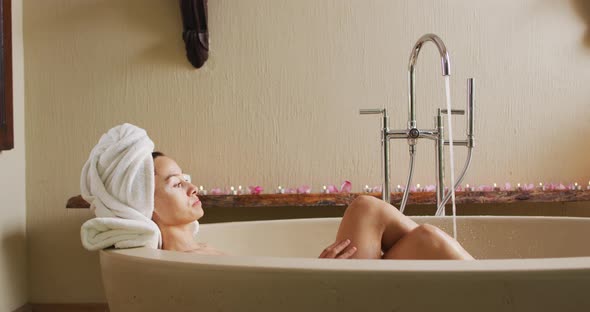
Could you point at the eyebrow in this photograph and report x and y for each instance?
(173, 175)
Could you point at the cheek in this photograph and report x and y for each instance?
(160, 199)
(163, 202)
(170, 202)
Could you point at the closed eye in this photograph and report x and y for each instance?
(176, 182)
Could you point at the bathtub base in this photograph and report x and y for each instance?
(153, 280)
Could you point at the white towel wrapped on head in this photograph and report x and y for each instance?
(118, 182)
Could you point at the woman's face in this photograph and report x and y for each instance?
(175, 200)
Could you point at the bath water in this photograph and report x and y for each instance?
(451, 155)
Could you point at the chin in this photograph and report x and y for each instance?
(199, 213)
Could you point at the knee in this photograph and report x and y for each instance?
(430, 235)
(364, 200)
(438, 244)
(365, 204)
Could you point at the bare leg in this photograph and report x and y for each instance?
(379, 230)
(373, 226)
(427, 242)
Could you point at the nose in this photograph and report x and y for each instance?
(192, 189)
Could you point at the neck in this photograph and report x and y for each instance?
(178, 237)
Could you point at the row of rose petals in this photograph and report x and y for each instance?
(346, 187)
(304, 189)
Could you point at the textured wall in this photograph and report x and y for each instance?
(278, 101)
(13, 242)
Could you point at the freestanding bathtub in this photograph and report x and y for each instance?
(526, 264)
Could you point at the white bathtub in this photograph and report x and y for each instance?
(527, 264)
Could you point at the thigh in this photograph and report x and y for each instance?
(372, 225)
(427, 242)
(366, 237)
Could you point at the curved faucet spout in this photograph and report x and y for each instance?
(446, 71)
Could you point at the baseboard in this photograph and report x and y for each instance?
(68, 307)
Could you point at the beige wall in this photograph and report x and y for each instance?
(13, 240)
(278, 101)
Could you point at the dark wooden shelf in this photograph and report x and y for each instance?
(343, 199)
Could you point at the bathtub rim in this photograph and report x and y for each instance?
(212, 262)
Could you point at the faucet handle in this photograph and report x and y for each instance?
(453, 111)
(378, 111)
(369, 111)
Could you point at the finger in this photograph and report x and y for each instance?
(327, 250)
(334, 249)
(348, 253)
(338, 248)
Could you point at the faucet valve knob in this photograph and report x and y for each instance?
(453, 111)
(372, 111)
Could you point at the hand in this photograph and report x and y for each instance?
(339, 250)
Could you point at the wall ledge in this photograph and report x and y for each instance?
(344, 199)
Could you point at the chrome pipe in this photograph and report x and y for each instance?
(397, 134)
(470, 115)
(458, 143)
(386, 193)
(440, 167)
(402, 205)
(446, 71)
(457, 183)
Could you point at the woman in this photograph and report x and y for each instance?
(370, 228)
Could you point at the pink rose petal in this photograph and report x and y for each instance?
(332, 189)
(255, 190)
(429, 188)
(291, 190)
(486, 188)
(528, 187)
(304, 189)
(346, 187)
(216, 191)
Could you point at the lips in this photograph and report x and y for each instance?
(197, 201)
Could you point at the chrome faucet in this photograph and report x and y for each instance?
(412, 133)
(446, 71)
